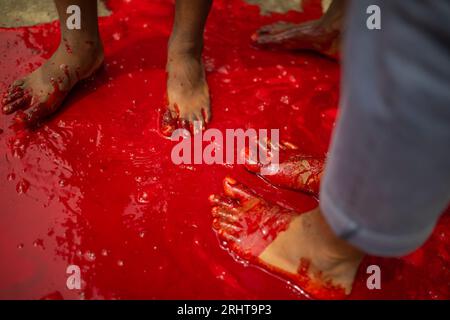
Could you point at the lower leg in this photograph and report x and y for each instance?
(333, 18)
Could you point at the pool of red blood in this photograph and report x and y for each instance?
(95, 186)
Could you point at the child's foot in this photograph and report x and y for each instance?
(295, 171)
(302, 249)
(41, 93)
(187, 94)
(314, 36)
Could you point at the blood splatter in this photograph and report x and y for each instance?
(99, 146)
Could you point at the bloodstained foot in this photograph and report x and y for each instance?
(322, 36)
(296, 171)
(246, 223)
(312, 36)
(188, 102)
(299, 248)
(42, 92)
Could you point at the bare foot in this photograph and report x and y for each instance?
(296, 171)
(312, 36)
(300, 248)
(41, 93)
(187, 94)
(322, 36)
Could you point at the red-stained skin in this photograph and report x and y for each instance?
(247, 224)
(255, 225)
(95, 186)
(296, 171)
(313, 288)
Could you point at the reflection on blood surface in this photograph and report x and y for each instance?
(95, 185)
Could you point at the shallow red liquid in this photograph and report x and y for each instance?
(95, 186)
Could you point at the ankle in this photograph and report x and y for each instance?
(81, 42)
(179, 47)
(83, 50)
(185, 61)
(328, 251)
(331, 22)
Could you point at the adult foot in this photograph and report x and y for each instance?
(296, 171)
(312, 36)
(300, 248)
(187, 93)
(42, 92)
(322, 36)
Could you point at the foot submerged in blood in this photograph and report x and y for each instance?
(41, 93)
(188, 101)
(280, 241)
(296, 171)
(245, 223)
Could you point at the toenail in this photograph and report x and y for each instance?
(230, 180)
(216, 224)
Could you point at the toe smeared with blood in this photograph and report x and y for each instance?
(296, 170)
